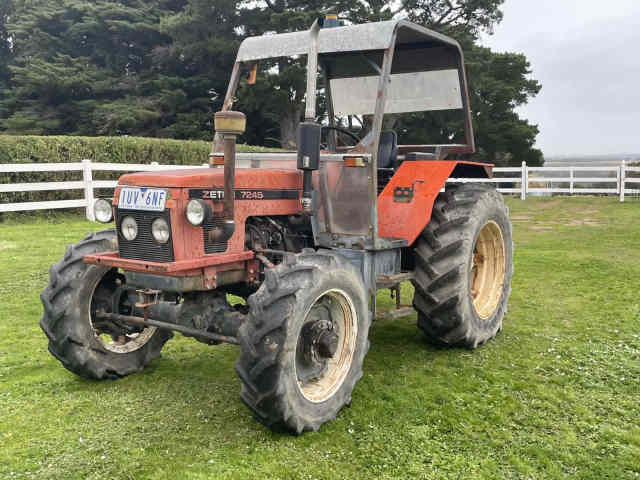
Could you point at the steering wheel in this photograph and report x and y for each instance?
(342, 130)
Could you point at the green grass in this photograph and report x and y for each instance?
(555, 395)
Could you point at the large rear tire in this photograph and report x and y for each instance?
(304, 342)
(463, 267)
(75, 291)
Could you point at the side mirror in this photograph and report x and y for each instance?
(308, 158)
(309, 146)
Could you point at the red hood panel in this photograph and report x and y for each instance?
(248, 178)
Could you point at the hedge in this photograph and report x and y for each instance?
(58, 149)
(34, 149)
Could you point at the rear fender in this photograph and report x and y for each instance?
(405, 204)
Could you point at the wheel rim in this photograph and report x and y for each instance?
(110, 296)
(488, 270)
(326, 346)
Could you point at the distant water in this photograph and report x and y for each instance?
(590, 160)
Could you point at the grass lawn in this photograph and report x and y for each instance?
(555, 395)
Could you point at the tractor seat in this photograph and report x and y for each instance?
(388, 149)
(387, 155)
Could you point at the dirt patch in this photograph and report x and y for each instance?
(549, 204)
(520, 218)
(586, 222)
(576, 222)
(7, 245)
(541, 227)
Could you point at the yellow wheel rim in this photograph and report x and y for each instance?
(488, 270)
(338, 307)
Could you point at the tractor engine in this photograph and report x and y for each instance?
(286, 234)
(210, 311)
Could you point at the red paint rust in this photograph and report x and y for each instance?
(179, 268)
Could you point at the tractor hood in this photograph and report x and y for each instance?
(246, 178)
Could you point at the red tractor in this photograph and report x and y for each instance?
(306, 238)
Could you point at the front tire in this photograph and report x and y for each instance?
(304, 342)
(75, 291)
(463, 267)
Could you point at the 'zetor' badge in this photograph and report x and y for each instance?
(213, 194)
(218, 195)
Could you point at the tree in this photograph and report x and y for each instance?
(83, 67)
(196, 65)
(161, 68)
(500, 82)
(6, 8)
(277, 100)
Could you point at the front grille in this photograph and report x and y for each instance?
(210, 247)
(144, 247)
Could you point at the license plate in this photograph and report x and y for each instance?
(134, 198)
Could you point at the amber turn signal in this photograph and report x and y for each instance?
(354, 162)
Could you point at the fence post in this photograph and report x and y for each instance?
(524, 181)
(570, 180)
(622, 175)
(87, 177)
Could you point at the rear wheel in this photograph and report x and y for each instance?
(463, 267)
(76, 291)
(304, 342)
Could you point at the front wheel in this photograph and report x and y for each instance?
(304, 342)
(463, 267)
(76, 291)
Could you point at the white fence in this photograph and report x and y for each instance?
(522, 181)
(87, 184)
(570, 180)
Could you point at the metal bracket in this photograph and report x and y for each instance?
(148, 297)
(392, 282)
(405, 194)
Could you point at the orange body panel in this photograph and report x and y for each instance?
(249, 178)
(407, 219)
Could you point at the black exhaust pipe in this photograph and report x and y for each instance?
(229, 125)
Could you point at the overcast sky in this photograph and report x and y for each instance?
(586, 54)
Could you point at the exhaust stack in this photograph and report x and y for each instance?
(229, 125)
(309, 130)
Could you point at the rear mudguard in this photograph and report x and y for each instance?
(405, 204)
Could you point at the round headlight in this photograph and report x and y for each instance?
(197, 212)
(129, 228)
(102, 210)
(160, 230)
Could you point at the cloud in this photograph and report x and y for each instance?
(585, 55)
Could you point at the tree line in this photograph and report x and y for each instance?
(159, 68)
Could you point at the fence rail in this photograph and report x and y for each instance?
(521, 180)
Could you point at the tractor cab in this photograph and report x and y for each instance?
(363, 79)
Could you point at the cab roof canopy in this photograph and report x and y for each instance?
(426, 70)
(357, 50)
